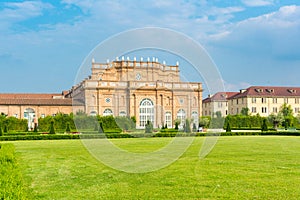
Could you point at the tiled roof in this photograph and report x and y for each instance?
(52, 102)
(220, 96)
(56, 99)
(29, 96)
(268, 91)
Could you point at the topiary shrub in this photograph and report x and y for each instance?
(35, 128)
(228, 128)
(101, 130)
(264, 126)
(176, 125)
(52, 129)
(68, 129)
(1, 132)
(149, 127)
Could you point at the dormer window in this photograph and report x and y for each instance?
(291, 91)
(270, 90)
(258, 90)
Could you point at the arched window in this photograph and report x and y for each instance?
(146, 112)
(93, 113)
(107, 112)
(181, 117)
(195, 118)
(168, 119)
(122, 114)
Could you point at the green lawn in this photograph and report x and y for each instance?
(253, 167)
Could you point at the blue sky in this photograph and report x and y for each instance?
(252, 42)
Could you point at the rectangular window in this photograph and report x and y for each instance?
(264, 109)
(296, 110)
(237, 101)
(219, 104)
(263, 100)
(237, 110)
(286, 100)
(275, 109)
(43, 115)
(253, 100)
(253, 110)
(297, 100)
(274, 100)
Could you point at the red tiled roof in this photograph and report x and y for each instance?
(268, 91)
(52, 102)
(29, 96)
(220, 96)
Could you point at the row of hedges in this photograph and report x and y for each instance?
(140, 135)
(11, 181)
(12, 123)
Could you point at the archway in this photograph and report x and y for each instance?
(29, 114)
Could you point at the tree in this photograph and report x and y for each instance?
(264, 126)
(204, 122)
(287, 113)
(218, 114)
(245, 111)
(187, 127)
(228, 128)
(276, 119)
(52, 129)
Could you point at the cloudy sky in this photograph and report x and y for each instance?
(252, 42)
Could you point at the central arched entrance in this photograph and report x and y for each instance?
(29, 114)
(146, 112)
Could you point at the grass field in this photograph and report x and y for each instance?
(253, 167)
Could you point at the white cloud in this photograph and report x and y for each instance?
(256, 3)
(18, 11)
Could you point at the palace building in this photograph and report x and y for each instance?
(150, 91)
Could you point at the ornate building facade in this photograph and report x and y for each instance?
(150, 91)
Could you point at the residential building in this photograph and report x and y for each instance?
(264, 100)
(216, 103)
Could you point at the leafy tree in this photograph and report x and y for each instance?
(204, 122)
(218, 114)
(52, 129)
(264, 126)
(276, 119)
(245, 111)
(287, 113)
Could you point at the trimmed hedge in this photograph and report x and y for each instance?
(138, 135)
(11, 181)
